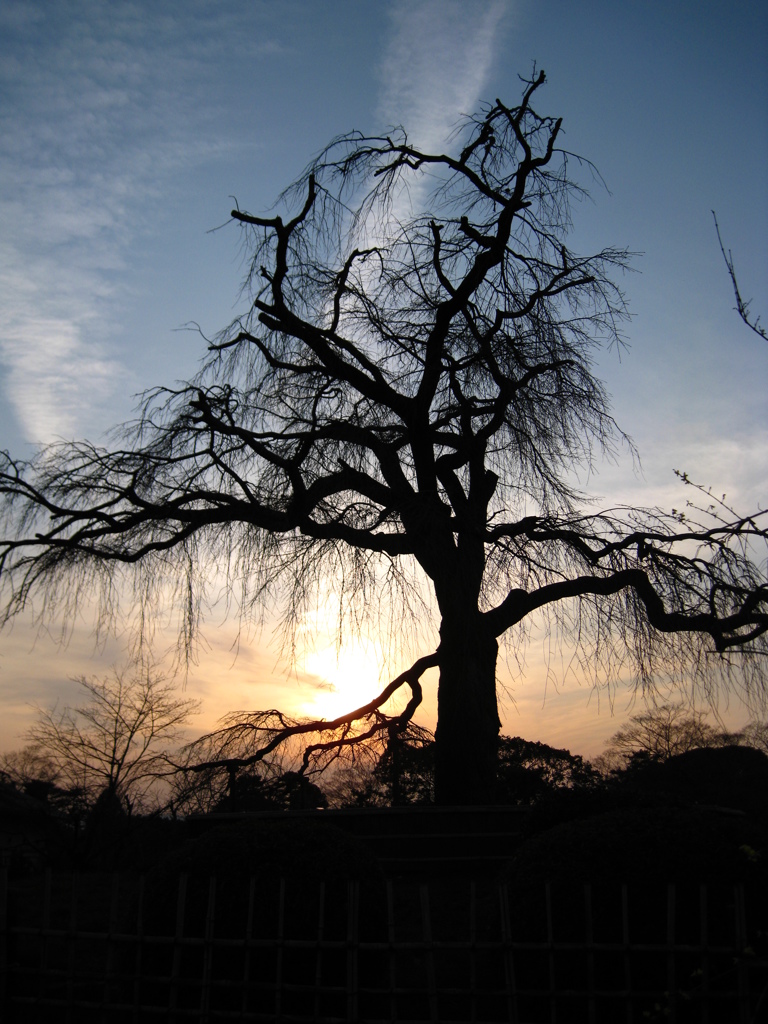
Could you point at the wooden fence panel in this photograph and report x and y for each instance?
(95, 949)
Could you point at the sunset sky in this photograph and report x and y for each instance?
(126, 128)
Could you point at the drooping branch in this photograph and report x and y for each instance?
(352, 728)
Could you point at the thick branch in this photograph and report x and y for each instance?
(748, 623)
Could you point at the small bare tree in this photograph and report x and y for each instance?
(118, 742)
(399, 418)
(664, 731)
(658, 733)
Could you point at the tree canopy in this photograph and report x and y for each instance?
(399, 419)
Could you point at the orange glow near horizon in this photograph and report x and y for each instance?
(561, 710)
(350, 677)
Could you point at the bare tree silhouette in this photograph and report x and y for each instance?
(399, 419)
(118, 742)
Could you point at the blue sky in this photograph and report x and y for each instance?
(125, 128)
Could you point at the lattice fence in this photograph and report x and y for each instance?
(116, 949)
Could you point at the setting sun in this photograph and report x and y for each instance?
(346, 678)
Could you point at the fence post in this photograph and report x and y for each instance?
(392, 951)
(45, 924)
(138, 960)
(671, 975)
(426, 930)
(353, 909)
(210, 916)
(589, 942)
(551, 951)
(742, 966)
(248, 945)
(319, 947)
(181, 899)
(71, 936)
(110, 939)
(473, 943)
(627, 951)
(704, 943)
(509, 957)
(279, 952)
(4, 857)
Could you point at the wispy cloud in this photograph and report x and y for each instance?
(433, 71)
(437, 63)
(100, 115)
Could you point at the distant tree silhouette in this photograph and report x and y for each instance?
(33, 772)
(527, 771)
(107, 753)
(530, 770)
(657, 734)
(669, 730)
(405, 772)
(215, 772)
(731, 775)
(218, 771)
(754, 734)
(253, 792)
(400, 419)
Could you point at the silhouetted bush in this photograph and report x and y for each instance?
(530, 771)
(645, 843)
(732, 776)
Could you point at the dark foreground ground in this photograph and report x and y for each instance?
(631, 912)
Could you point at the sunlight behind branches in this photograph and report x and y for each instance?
(350, 676)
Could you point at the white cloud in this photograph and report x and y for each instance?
(433, 71)
(54, 378)
(99, 122)
(436, 64)
(59, 376)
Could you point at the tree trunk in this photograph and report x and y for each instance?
(467, 735)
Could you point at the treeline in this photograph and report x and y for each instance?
(97, 771)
